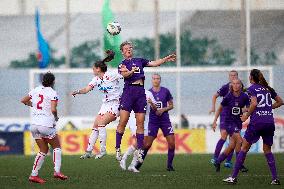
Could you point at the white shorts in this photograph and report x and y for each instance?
(110, 107)
(132, 124)
(40, 132)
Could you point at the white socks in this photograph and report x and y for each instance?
(92, 139)
(57, 159)
(39, 159)
(129, 152)
(103, 137)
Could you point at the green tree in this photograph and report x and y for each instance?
(30, 62)
(198, 51)
(85, 54)
(269, 58)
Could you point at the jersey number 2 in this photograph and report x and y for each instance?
(38, 105)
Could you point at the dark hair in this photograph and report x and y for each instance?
(258, 77)
(125, 43)
(48, 79)
(108, 58)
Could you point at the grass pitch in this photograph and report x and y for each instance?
(192, 171)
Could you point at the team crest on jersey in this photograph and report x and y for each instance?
(236, 110)
(159, 104)
(236, 103)
(137, 69)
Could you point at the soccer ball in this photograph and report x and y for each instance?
(113, 28)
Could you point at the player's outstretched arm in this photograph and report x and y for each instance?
(82, 91)
(169, 58)
(26, 100)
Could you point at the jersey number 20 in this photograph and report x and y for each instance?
(265, 100)
(38, 105)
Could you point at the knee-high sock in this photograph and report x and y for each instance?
(271, 163)
(221, 158)
(239, 162)
(237, 153)
(218, 148)
(57, 159)
(140, 139)
(103, 137)
(138, 165)
(171, 155)
(129, 152)
(92, 139)
(230, 156)
(39, 159)
(134, 161)
(118, 139)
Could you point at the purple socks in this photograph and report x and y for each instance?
(221, 158)
(118, 139)
(171, 155)
(230, 156)
(271, 163)
(140, 139)
(239, 162)
(218, 148)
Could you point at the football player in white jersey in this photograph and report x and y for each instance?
(43, 100)
(151, 103)
(108, 83)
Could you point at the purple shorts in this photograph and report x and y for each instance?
(264, 130)
(166, 128)
(232, 127)
(133, 98)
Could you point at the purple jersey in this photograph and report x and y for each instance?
(232, 107)
(263, 111)
(139, 73)
(162, 98)
(224, 90)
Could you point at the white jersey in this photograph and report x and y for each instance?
(132, 120)
(108, 85)
(149, 95)
(41, 98)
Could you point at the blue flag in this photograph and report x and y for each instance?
(43, 56)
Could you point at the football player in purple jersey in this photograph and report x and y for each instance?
(133, 95)
(160, 119)
(222, 92)
(232, 107)
(261, 123)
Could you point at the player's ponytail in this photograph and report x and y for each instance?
(108, 58)
(258, 77)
